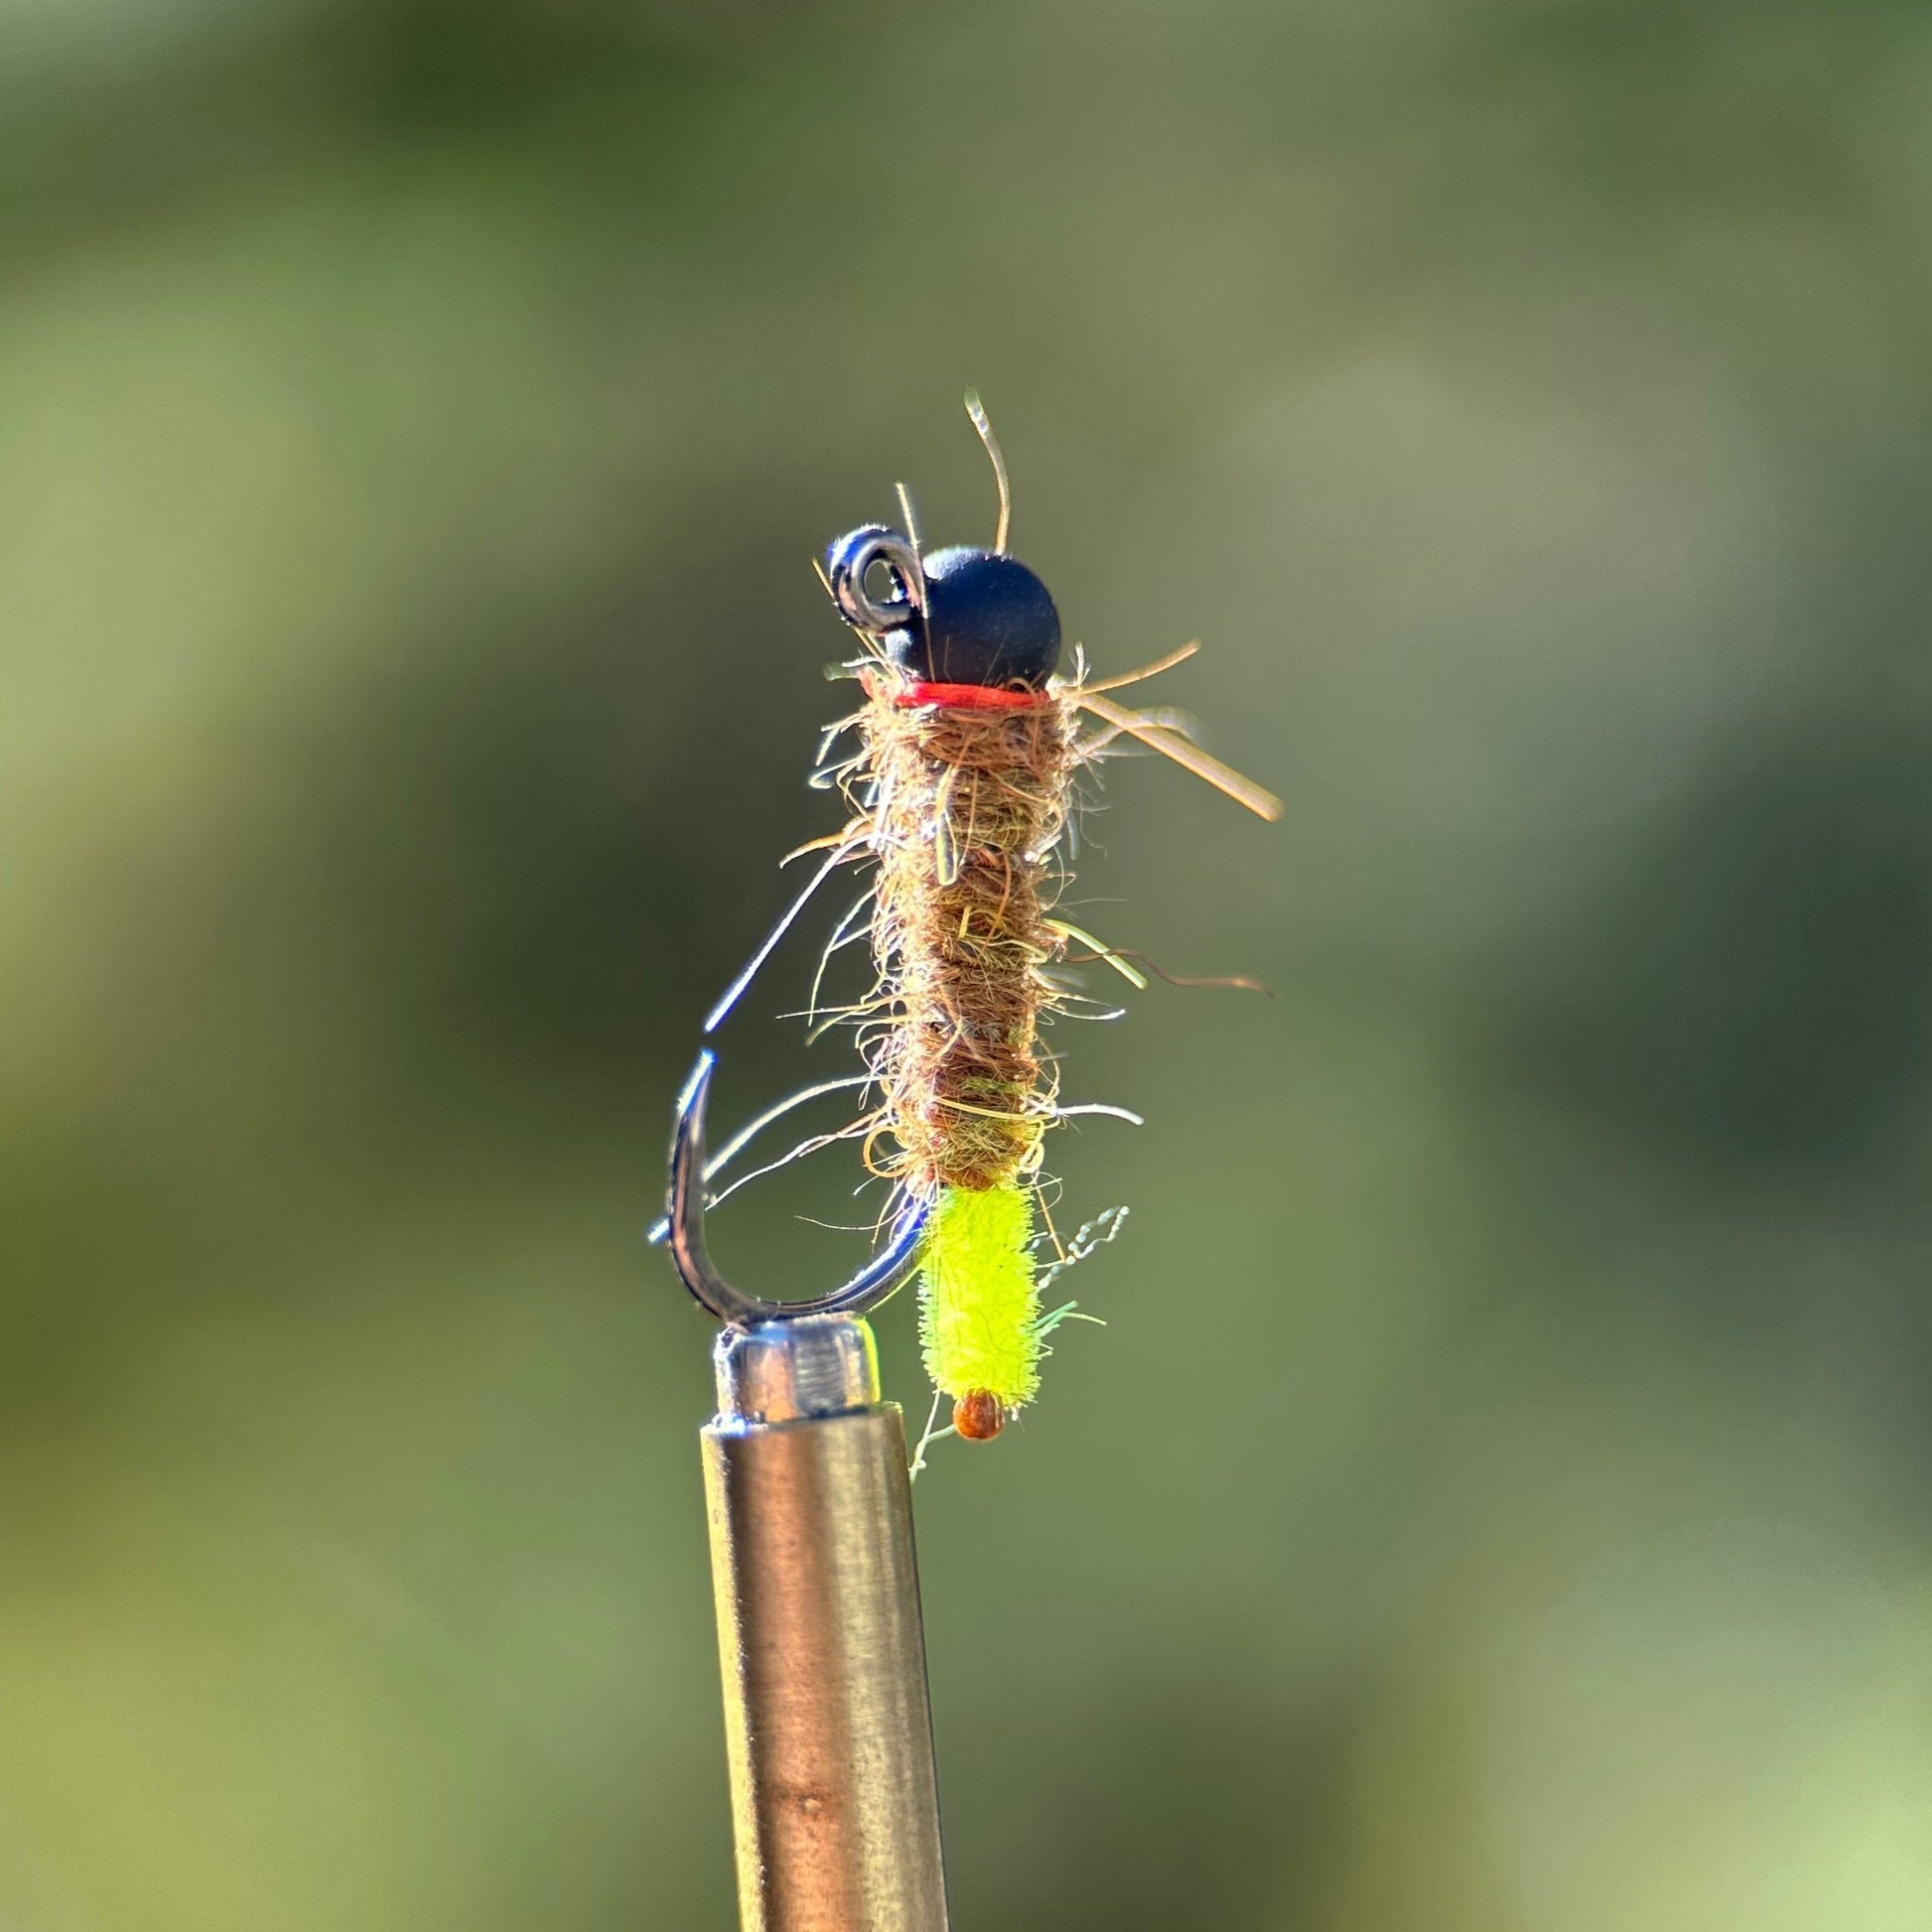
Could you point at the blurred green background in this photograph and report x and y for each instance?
(1501, 1497)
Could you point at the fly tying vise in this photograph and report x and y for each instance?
(968, 745)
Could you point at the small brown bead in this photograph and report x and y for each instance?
(979, 1415)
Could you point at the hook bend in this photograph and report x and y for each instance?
(684, 1215)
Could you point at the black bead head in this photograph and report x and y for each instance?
(956, 616)
(988, 621)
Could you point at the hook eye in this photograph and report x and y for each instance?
(849, 562)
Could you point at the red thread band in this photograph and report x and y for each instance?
(962, 697)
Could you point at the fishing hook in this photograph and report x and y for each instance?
(684, 1215)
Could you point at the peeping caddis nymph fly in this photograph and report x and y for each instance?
(959, 770)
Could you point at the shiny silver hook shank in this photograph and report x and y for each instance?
(684, 1210)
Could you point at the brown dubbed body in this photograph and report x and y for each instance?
(967, 808)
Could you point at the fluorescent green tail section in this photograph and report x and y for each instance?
(978, 1306)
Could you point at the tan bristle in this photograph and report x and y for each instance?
(967, 808)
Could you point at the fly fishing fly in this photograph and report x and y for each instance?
(959, 770)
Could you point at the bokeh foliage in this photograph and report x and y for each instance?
(1500, 1496)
